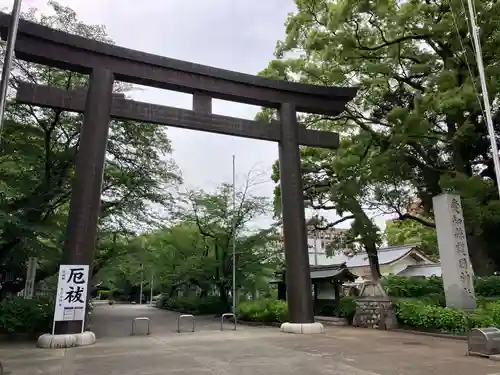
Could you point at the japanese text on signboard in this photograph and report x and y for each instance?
(461, 245)
(71, 292)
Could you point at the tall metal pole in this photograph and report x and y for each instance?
(484, 89)
(151, 292)
(234, 234)
(140, 289)
(7, 61)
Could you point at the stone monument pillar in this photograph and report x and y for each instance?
(374, 309)
(456, 268)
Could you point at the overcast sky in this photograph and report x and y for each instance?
(238, 35)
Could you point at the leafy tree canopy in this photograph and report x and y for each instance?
(37, 160)
(195, 253)
(412, 232)
(416, 127)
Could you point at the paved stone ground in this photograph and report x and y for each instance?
(116, 321)
(247, 351)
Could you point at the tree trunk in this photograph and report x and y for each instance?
(371, 250)
(481, 262)
(282, 291)
(8, 246)
(172, 291)
(224, 299)
(10, 288)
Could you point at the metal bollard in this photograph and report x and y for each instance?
(179, 321)
(4, 372)
(222, 320)
(141, 318)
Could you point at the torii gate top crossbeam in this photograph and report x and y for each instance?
(43, 45)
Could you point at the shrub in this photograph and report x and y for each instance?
(400, 286)
(348, 308)
(486, 315)
(263, 310)
(417, 314)
(422, 316)
(271, 310)
(487, 286)
(325, 307)
(435, 299)
(405, 287)
(104, 294)
(193, 304)
(27, 316)
(481, 319)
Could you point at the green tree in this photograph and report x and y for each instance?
(183, 261)
(257, 250)
(407, 232)
(193, 254)
(417, 119)
(38, 152)
(340, 182)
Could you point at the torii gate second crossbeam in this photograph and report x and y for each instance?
(197, 119)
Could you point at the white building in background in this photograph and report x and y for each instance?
(402, 260)
(318, 241)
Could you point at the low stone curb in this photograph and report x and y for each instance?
(431, 334)
(276, 324)
(399, 330)
(19, 337)
(332, 322)
(259, 324)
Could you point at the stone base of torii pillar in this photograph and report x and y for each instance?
(49, 341)
(302, 328)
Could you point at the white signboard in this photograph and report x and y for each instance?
(71, 293)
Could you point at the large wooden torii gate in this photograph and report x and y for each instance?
(106, 63)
